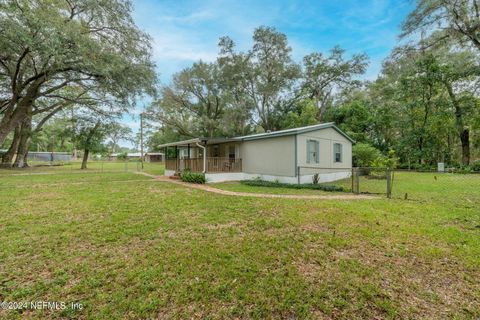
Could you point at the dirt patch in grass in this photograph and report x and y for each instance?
(415, 287)
(222, 226)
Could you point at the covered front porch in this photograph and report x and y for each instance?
(203, 155)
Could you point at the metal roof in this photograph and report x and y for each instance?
(293, 131)
(264, 135)
(197, 140)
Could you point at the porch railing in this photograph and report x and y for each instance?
(214, 164)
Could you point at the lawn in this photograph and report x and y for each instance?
(417, 186)
(125, 246)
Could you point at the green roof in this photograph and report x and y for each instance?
(264, 135)
(294, 131)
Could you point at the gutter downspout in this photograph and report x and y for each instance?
(204, 156)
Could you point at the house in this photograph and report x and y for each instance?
(154, 157)
(130, 156)
(289, 156)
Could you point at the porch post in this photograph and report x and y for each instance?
(205, 158)
(176, 158)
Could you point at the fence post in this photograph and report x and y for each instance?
(355, 180)
(389, 183)
(353, 177)
(298, 175)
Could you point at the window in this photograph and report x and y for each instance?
(231, 152)
(313, 149)
(337, 152)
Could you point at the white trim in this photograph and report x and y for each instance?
(227, 176)
(335, 153)
(267, 177)
(237, 176)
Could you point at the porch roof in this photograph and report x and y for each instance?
(207, 141)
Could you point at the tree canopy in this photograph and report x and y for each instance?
(60, 53)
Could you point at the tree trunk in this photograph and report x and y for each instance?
(10, 121)
(463, 131)
(465, 139)
(22, 150)
(8, 157)
(19, 110)
(85, 159)
(25, 158)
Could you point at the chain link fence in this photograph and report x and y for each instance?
(398, 184)
(354, 180)
(41, 165)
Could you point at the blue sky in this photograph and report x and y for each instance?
(186, 31)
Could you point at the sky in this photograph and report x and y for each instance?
(186, 31)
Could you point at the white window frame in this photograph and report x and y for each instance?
(316, 151)
(335, 152)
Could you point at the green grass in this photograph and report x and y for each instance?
(126, 246)
(414, 185)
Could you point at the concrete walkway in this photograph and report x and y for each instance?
(208, 188)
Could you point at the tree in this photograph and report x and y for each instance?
(37, 115)
(364, 154)
(266, 75)
(409, 91)
(326, 76)
(303, 113)
(115, 132)
(55, 135)
(457, 20)
(89, 138)
(459, 73)
(194, 103)
(49, 45)
(354, 116)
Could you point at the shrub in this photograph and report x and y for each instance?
(192, 177)
(420, 167)
(263, 183)
(464, 169)
(476, 166)
(122, 156)
(364, 154)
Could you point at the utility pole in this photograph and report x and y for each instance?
(141, 138)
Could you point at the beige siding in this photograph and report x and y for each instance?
(326, 138)
(271, 156)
